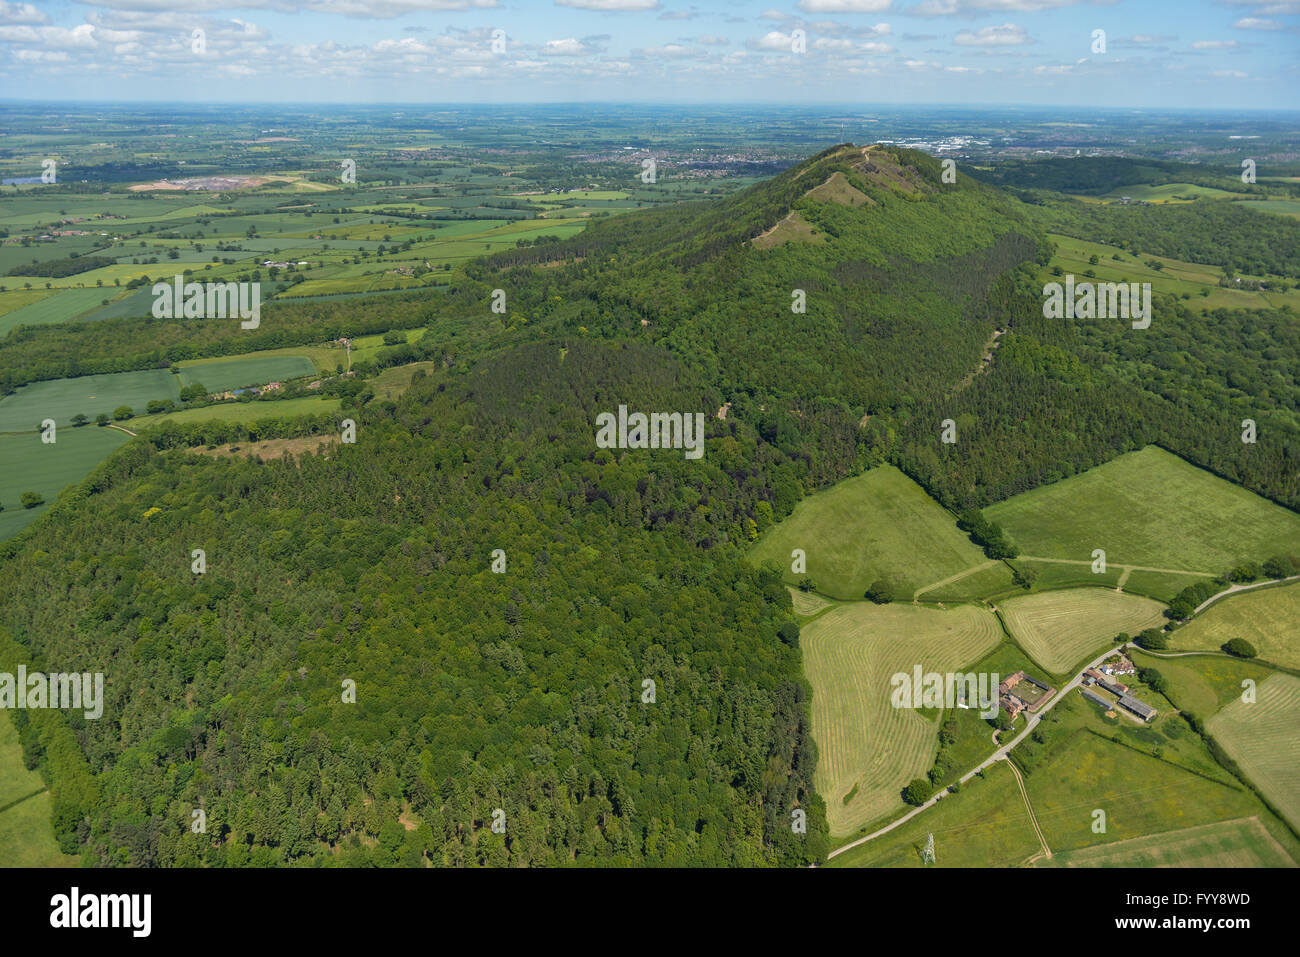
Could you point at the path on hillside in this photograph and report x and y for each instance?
(957, 577)
(1033, 819)
(998, 755)
(121, 429)
(1233, 589)
(1131, 568)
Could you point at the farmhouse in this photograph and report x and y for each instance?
(1019, 692)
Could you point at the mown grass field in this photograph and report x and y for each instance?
(866, 747)
(807, 604)
(877, 525)
(1261, 738)
(61, 399)
(1243, 842)
(32, 466)
(984, 825)
(1269, 618)
(247, 370)
(1148, 508)
(26, 837)
(1062, 628)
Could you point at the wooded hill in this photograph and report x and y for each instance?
(523, 691)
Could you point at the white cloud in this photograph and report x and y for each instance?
(20, 13)
(1229, 74)
(1215, 44)
(843, 6)
(1006, 35)
(945, 8)
(1254, 23)
(619, 6)
(566, 47)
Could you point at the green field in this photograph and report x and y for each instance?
(1282, 207)
(1140, 794)
(1261, 738)
(1269, 618)
(876, 525)
(26, 837)
(32, 466)
(1243, 842)
(241, 412)
(245, 371)
(985, 825)
(1148, 508)
(395, 380)
(866, 747)
(61, 399)
(1175, 277)
(1062, 628)
(57, 306)
(1202, 684)
(1168, 192)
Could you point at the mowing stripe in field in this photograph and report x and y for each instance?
(1261, 737)
(850, 654)
(1062, 627)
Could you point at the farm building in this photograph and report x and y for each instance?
(1139, 708)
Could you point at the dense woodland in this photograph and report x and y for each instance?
(523, 690)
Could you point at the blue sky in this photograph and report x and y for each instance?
(1158, 53)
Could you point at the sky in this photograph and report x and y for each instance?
(1181, 54)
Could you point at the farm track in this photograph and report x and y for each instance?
(953, 578)
(1033, 819)
(999, 755)
(1127, 568)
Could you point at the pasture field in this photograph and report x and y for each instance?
(876, 525)
(58, 305)
(1140, 794)
(867, 748)
(983, 825)
(1059, 574)
(1243, 842)
(1168, 192)
(395, 380)
(1281, 207)
(246, 371)
(1175, 277)
(1202, 684)
(1148, 508)
(241, 412)
(1260, 737)
(61, 399)
(26, 837)
(1061, 628)
(1269, 618)
(978, 583)
(325, 358)
(32, 466)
